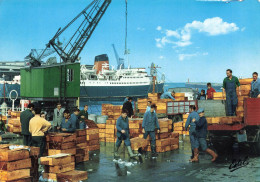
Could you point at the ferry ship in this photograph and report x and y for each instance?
(101, 82)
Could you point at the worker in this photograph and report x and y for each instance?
(201, 132)
(148, 108)
(150, 120)
(57, 117)
(2, 125)
(192, 131)
(42, 115)
(255, 86)
(74, 117)
(230, 84)
(129, 107)
(202, 95)
(83, 115)
(37, 127)
(67, 124)
(168, 95)
(210, 92)
(25, 118)
(122, 126)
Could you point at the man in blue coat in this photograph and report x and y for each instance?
(192, 131)
(122, 126)
(255, 86)
(202, 130)
(150, 120)
(75, 118)
(168, 95)
(67, 124)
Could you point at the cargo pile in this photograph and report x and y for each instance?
(160, 103)
(179, 127)
(92, 139)
(14, 124)
(112, 111)
(219, 96)
(19, 164)
(82, 150)
(245, 87)
(61, 167)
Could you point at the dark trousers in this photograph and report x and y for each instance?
(39, 141)
(27, 140)
(152, 135)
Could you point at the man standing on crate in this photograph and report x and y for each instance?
(122, 126)
(255, 86)
(230, 84)
(192, 132)
(25, 118)
(150, 120)
(168, 95)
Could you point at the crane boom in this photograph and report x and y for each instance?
(89, 19)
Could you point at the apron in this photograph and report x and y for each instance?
(231, 98)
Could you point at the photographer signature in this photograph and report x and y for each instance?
(236, 164)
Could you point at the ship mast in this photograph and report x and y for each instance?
(126, 49)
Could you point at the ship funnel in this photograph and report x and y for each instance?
(100, 60)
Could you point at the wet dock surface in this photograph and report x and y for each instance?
(169, 166)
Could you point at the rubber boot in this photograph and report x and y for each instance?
(212, 153)
(116, 155)
(196, 156)
(153, 149)
(131, 154)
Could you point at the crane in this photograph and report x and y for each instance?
(120, 61)
(69, 52)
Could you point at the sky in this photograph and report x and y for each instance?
(187, 39)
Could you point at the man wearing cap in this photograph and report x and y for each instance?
(255, 86)
(129, 107)
(201, 130)
(150, 120)
(230, 84)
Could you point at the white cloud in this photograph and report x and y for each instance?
(159, 28)
(161, 57)
(182, 37)
(212, 26)
(188, 56)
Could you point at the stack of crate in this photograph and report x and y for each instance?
(112, 111)
(165, 142)
(180, 97)
(219, 96)
(93, 139)
(102, 132)
(245, 87)
(61, 143)
(14, 164)
(61, 167)
(82, 151)
(34, 155)
(178, 127)
(135, 127)
(14, 125)
(110, 131)
(224, 120)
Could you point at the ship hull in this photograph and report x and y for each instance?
(117, 92)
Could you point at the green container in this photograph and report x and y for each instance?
(50, 82)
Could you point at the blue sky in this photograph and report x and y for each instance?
(186, 38)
